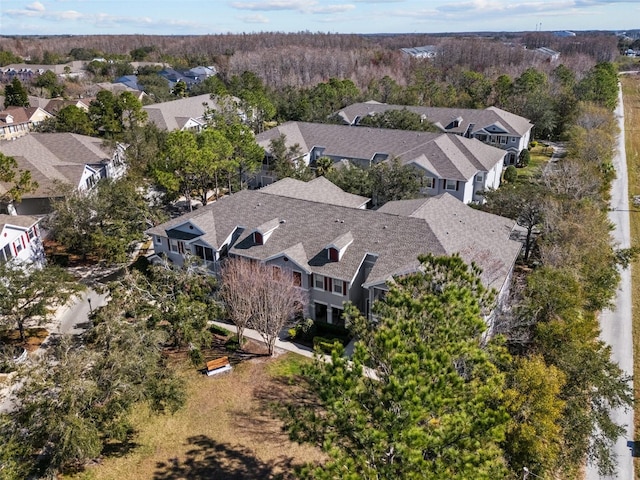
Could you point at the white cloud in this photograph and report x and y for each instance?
(101, 20)
(35, 7)
(299, 5)
(258, 18)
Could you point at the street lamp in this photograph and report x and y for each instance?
(90, 308)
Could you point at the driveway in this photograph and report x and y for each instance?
(616, 323)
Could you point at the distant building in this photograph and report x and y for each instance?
(564, 33)
(551, 55)
(426, 51)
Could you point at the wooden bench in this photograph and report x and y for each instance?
(219, 365)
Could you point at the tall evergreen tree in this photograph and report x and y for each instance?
(15, 95)
(420, 397)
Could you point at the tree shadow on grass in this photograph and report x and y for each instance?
(209, 459)
(268, 423)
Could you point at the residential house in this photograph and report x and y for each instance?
(56, 104)
(20, 239)
(117, 89)
(493, 126)
(187, 113)
(59, 159)
(339, 253)
(426, 51)
(173, 76)
(18, 121)
(26, 72)
(33, 101)
(463, 167)
(130, 81)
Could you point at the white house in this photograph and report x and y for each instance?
(20, 239)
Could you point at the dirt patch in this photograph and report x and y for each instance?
(33, 338)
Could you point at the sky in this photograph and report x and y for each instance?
(197, 17)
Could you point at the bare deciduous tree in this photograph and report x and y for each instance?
(260, 296)
(237, 281)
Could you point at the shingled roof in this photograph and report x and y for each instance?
(53, 158)
(448, 156)
(317, 190)
(443, 117)
(174, 114)
(306, 228)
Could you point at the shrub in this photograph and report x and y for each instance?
(325, 345)
(525, 157)
(533, 144)
(510, 174)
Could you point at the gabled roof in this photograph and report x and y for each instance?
(442, 117)
(396, 241)
(317, 190)
(174, 114)
(23, 222)
(449, 156)
(20, 114)
(56, 104)
(476, 235)
(54, 157)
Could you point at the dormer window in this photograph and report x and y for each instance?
(337, 248)
(264, 231)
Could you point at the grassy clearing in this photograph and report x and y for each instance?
(539, 156)
(631, 92)
(227, 429)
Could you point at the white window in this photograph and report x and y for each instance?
(451, 185)
(480, 177)
(337, 287)
(32, 233)
(17, 245)
(513, 139)
(318, 281)
(174, 245)
(503, 140)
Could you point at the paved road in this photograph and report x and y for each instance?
(70, 319)
(616, 323)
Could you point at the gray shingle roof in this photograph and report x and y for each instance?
(306, 228)
(54, 157)
(174, 114)
(442, 117)
(23, 221)
(449, 156)
(477, 236)
(317, 190)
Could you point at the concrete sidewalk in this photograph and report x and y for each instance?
(281, 344)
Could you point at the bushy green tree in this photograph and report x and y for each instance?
(105, 223)
(399, 120)
(15, 95)
(31, 294)
(288, 161)
(600, 86)
(73, 401)
(20, 180)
